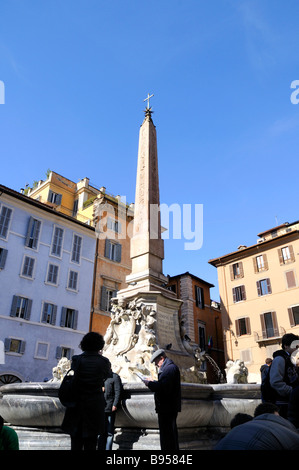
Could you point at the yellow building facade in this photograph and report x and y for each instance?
(112, 219)
(259, 294)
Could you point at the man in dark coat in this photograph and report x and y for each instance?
(167, 391)
(268, 431)
(283, 373)
(85, 421)
(112, 394)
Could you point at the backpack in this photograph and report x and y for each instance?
(269, 395)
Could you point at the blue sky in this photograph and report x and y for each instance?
(76, 74)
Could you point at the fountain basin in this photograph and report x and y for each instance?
(37, 405)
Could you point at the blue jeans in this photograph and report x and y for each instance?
(105, 440)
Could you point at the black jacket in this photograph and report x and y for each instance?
(168, 388)
(283, 375)
(91, 370)
(112, 393)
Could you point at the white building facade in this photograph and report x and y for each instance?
(46, 278)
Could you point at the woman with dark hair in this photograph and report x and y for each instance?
(85, 421)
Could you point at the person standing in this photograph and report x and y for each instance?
(85, 421)
(112, 395)
(167, 390)
(8, 437)
(283, 373)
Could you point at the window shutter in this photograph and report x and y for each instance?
(58, 199)
(258, 286)
(291, 250)
(103, 301)
(280, 256)
(118, 253)
(266, 266)
(58, 352)
(63, 316)
(50, 195)
(290, 277)
(114, 293)
(241, 269)
(37, 225)
(234, 294)
(13, 309)
(291, 317)
(107, 248)
(243, 292)
(3, 256)
(264, 332)
(237, 327)
(75, 320)
(248, 329)
(231, 270)
(22, 347)
(7, 342)
(269, 286)
(275, 324)
(45, 309)
(28, 310)
(255, 265)
(29, 229)
(53, 321)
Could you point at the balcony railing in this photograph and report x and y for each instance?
(269, 334)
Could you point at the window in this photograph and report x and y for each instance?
(202, 337)
(76, 251)
(106, 296)
(294, 315)
(56, 249)
(269, 325)
(28, 267)
(113, 225)
(290, 279)
(260, 263)
(239, 294)
(75, 207)
(236, 271)
(49, 313)
(286, 254)
(69, 318)
(243, 326)
(41, 350)
(21, 307)
(54, 198)
(199, 297)
(52, 275)
(73, 280)
(263, 287)
(33, 233)
(112, 250)
(64, 351)
(3, 256)
(5, 217)
(12, 345)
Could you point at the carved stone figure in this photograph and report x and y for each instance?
(236, 372)
(60, 370)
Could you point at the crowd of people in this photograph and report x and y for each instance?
(275, 424)
(90, 423)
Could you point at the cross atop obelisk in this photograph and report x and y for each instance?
(147, 99)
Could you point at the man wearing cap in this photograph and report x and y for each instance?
(167, 391)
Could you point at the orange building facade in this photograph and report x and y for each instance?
(200, 318)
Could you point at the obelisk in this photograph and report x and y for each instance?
(145, 315)
(147, 246)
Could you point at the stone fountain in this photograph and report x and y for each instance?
(144, 317)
